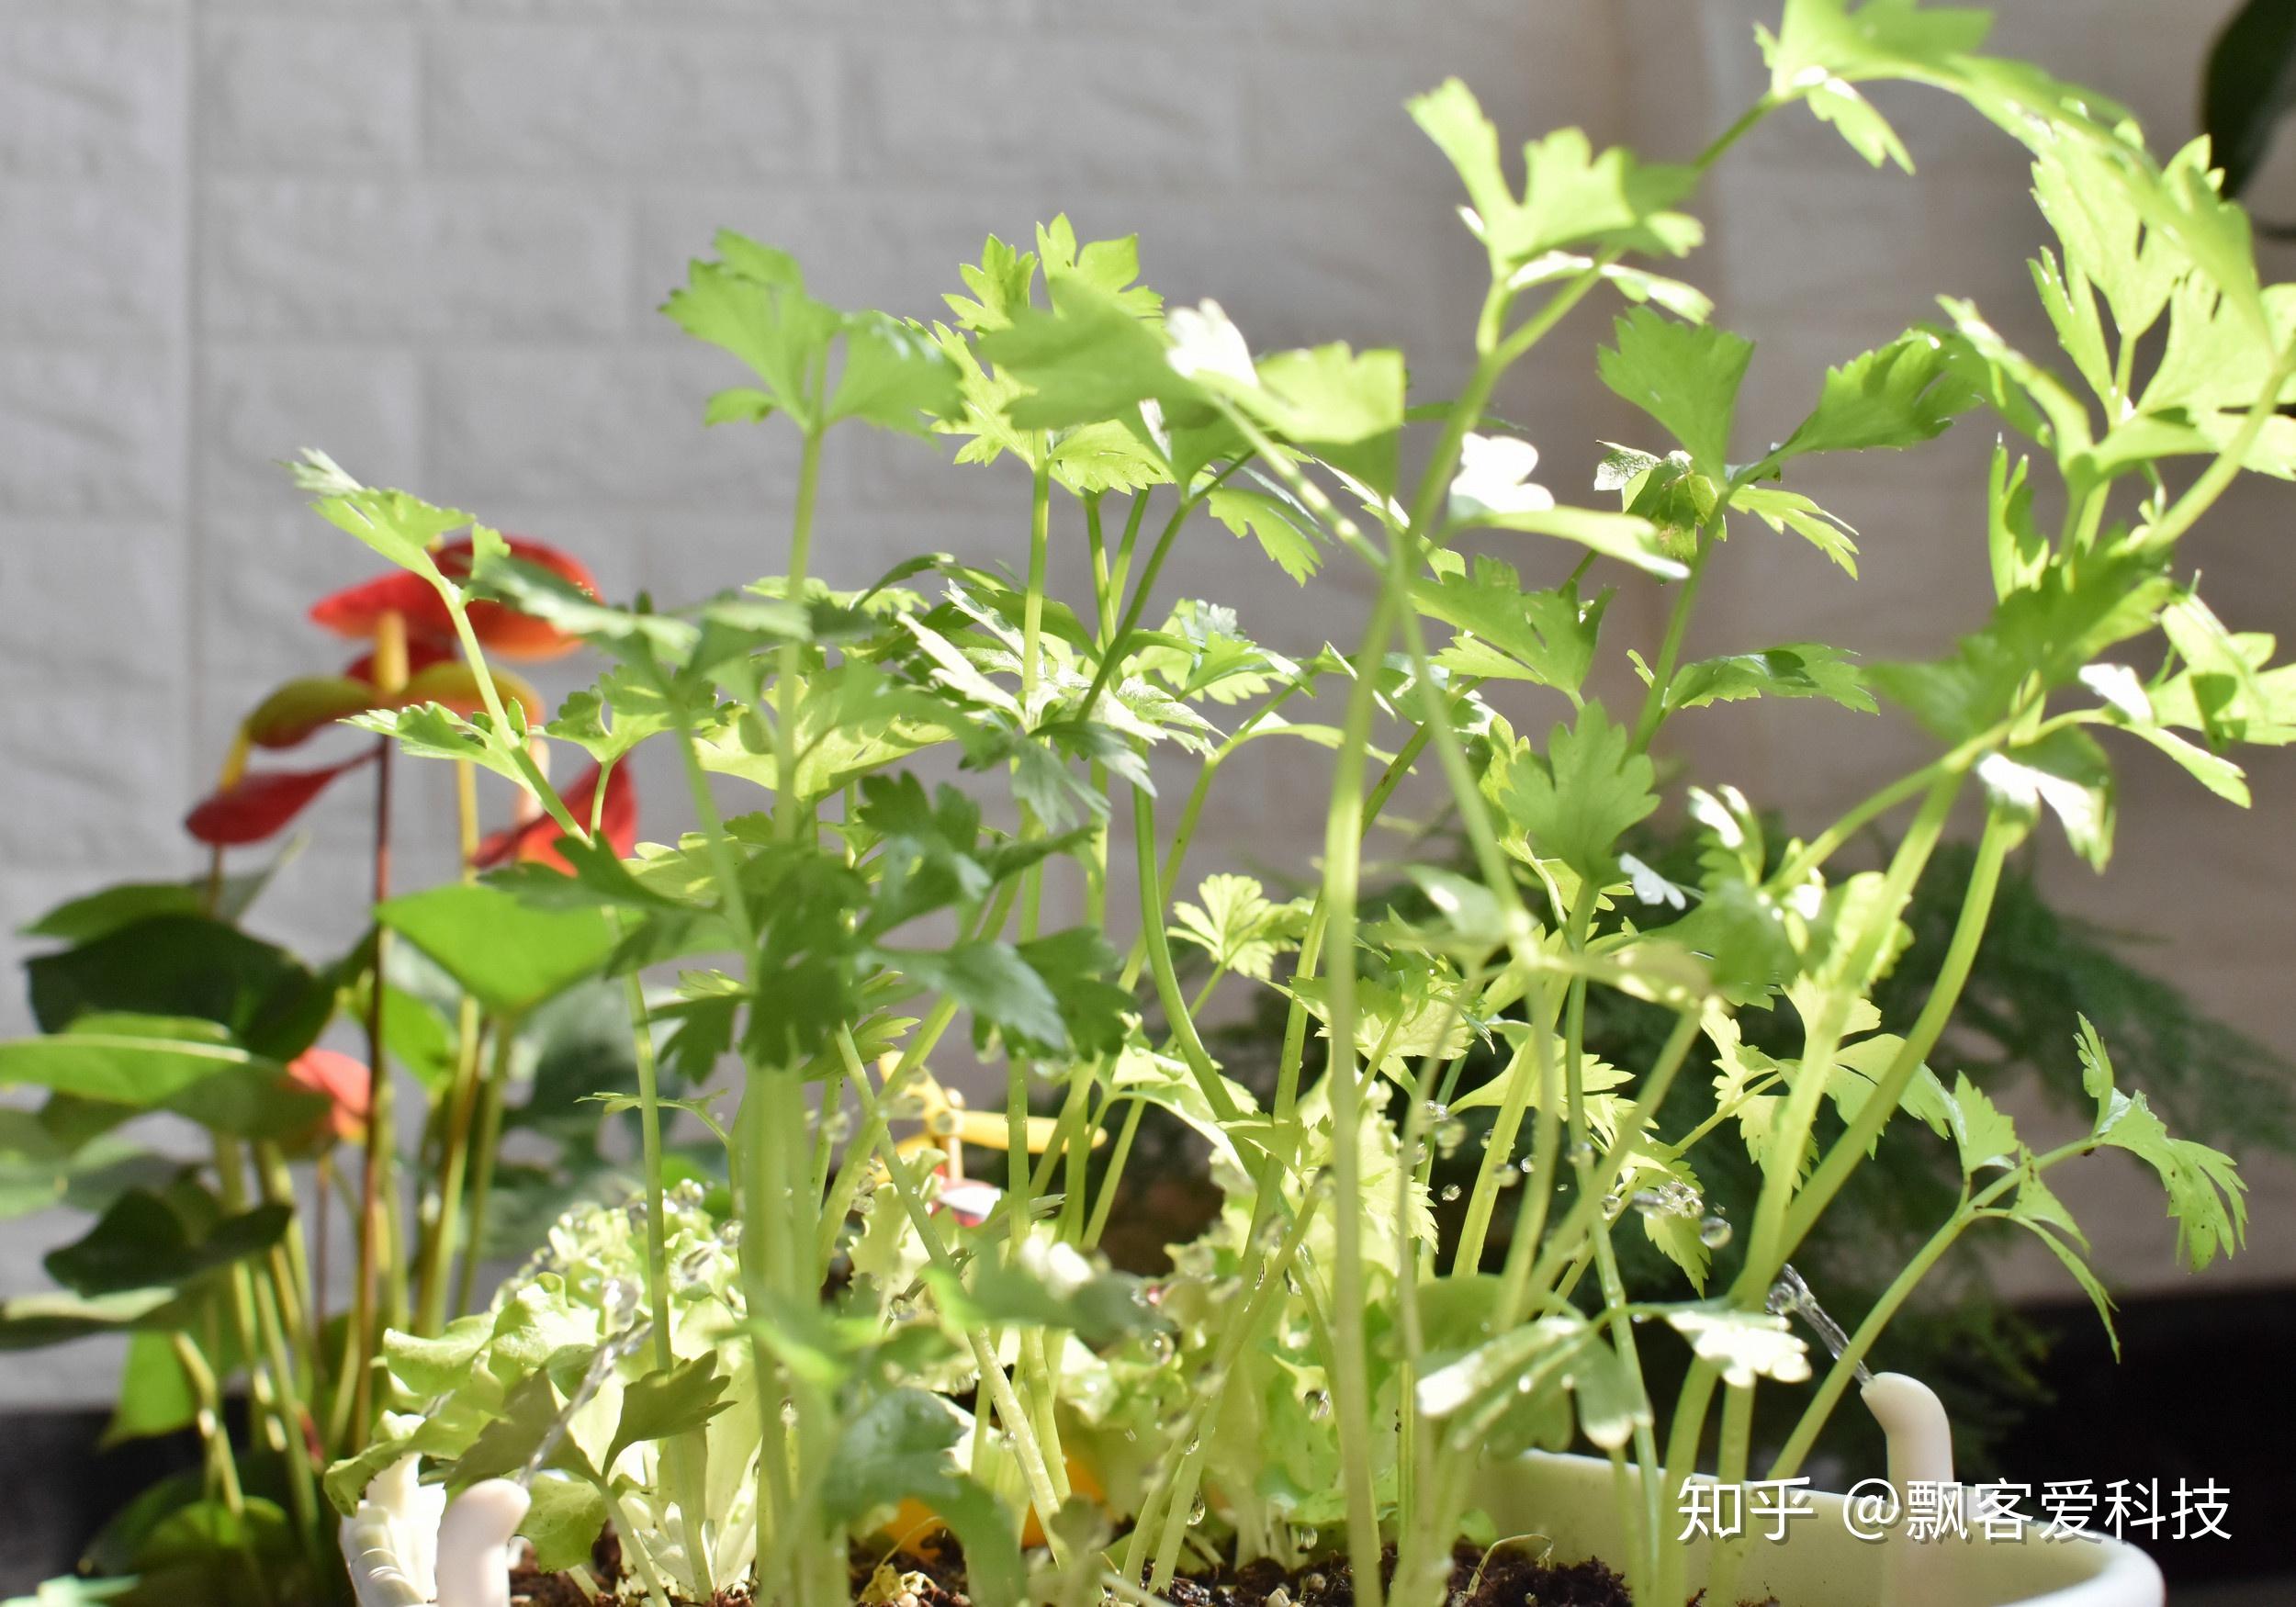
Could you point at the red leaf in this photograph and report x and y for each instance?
(256, 806)
(505, 630)
(347, 1084)
(537, 841)
(357, 609)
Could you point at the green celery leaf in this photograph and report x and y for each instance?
(1289, 537)
(1982, 1134)
(898, 1446)
(1505, 631)
(1782, 510)
(2067, 772)
(1896, 396)
(1685, 376)
(662, 1405)
(1089, 359)
(1577, 801)
(893, 376)
(1572, 195)
(1345, 406)
(753, 304)
(1798, 670)
(2204, 1186)
(563, 1521)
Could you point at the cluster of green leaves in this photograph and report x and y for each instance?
(150, 1005)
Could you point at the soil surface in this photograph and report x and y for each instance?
(1505, 1578)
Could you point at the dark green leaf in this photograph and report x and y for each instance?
(41, 1168)
(154, 1396)
(509, 954)
(186, 965)
(1003, 991)
(1077, 965)
(99, 914)
(29, 1322)
(2249, 87)
(142, 1243)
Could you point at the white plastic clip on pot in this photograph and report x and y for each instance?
(1921, 1442)
(408, 1546)
(1913, 1421)
(390, 1543)
(473, 1540)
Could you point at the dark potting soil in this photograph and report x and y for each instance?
(1505, 1578)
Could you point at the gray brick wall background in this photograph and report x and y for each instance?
(428, 235)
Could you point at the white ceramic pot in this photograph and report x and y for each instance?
(1568, 1499)
(1822, 1563)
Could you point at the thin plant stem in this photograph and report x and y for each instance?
(1961, 953)
(485, 1142)
(374, 1187)
(462, 1110)
(1113, 1174)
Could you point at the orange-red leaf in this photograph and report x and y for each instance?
(537, 841)
(348, 1086)
(503, 629)
(258, 805)
(357, 609)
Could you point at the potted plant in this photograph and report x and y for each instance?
(154, 997)
(854, 1362)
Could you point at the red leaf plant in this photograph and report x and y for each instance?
(346, 1083)
(357, 611)
(253, 807)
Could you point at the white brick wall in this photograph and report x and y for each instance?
(428, 235)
